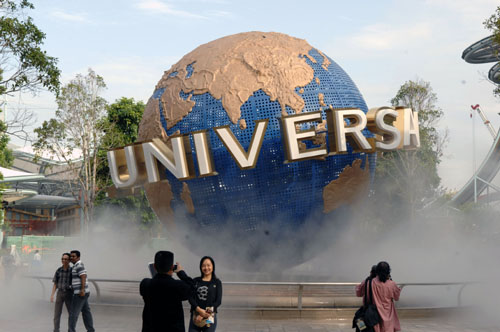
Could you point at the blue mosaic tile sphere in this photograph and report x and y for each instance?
(266, 215)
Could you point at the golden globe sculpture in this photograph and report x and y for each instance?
(255, 143)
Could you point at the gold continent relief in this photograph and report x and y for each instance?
(231, 69)
(351, 185)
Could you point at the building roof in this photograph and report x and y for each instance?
(10, 175)
(44, 157)
(23, 193)
(14, 195)
(40, 201)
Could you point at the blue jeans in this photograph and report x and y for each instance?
(194, 328)
(80, 304)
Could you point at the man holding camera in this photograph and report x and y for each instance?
(163, 295)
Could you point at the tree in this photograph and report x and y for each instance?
(6, 160)
(19, 123)
(78, 129)
(493, 24)
(407, 178)
(23, 66)
(123, 118)
(23, 63)
(6, 157)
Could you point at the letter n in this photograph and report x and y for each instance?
(176, 160)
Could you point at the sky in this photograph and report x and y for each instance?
(380, 44)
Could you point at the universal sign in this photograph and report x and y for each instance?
(394, 128)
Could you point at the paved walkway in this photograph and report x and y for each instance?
(38, 318)
(22, 310)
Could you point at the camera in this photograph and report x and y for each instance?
(152, 269)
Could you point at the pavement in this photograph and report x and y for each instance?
(22, 309)
(37, 317)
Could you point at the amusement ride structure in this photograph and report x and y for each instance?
(484, 51)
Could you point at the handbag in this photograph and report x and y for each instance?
(367, 315)
(199, 323)
(206, 321)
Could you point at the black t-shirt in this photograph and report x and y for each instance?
(163, 296)
(207, 294)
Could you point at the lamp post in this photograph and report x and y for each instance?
(474, 152)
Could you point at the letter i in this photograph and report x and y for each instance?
(203, 153)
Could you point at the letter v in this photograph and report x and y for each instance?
(245, 160)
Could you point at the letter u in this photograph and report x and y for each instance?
(123, 180)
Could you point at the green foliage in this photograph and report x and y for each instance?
(122, 122)
(49, 135)
(407, 178)
(6, 160)
(493, 24)
(13, 6)
(23, 63)
(125, 114)
(6, 157)
(123, 118)
(131, 211)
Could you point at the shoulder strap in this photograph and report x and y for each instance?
(366, 293)
(371, 292)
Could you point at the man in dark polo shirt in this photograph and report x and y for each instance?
(62, 283)
(163, 296)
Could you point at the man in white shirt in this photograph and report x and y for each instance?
(81, 293)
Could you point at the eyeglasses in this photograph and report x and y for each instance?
(64, 259)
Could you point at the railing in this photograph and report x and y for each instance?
(298, 285)
(94, 282)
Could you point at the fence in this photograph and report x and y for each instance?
(264, 295)
(27, 244)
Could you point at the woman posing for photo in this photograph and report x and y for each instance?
(207, 298)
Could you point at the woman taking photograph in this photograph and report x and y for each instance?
(385, 292)
(207, 298)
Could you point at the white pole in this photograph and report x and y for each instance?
(474, 153)
(3, 105)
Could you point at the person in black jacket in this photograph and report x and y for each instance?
(206, 299)
(163, 296)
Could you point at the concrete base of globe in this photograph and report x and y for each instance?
(334, 313)
(228, 313)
